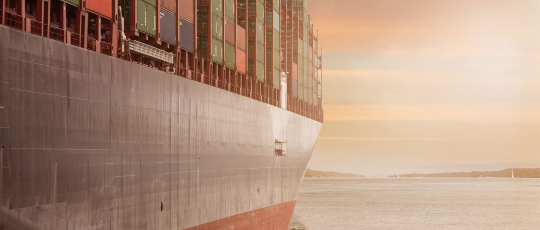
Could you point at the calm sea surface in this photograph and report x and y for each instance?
(418, 203)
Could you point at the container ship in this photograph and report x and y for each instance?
(156, 114)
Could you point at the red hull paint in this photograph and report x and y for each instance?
(277, 217)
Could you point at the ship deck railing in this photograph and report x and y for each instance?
(92, 44)
(14, 20)
(57, 33)
(35, 27)
(106, 48)
(77, 39)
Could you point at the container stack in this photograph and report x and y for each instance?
(309, 88)
(217, 31)
(140, 16)
(168, 20)
(100, 7)
(256, 39)
(292, 68)
(186, 12)
(241, 36)
(230, 34)
(315, 74)
(284, 5)
(280, 37)
(272, 43)
(299, 47)
(297, 64)
(146, 17)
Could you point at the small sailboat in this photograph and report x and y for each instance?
(480, 177)
(398, 176)
(513, 175)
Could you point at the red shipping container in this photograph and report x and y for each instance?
(295, 71)
(241, 38)
(240, 61)
(102, 7)
(187, 10)
(229, 31)
(169, 5)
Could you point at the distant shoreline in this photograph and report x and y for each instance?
(506, 173)
(317, 173)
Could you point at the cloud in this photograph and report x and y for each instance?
(429, 82)
(509, 113)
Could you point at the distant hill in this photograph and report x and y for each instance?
(518, 172)
(316, 173)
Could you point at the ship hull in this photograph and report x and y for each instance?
(94, 142)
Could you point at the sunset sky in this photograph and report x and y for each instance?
(428, 86)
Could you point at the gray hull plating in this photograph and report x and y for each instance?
(131, 147)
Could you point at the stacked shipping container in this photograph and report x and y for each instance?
(241, 46)
(172, 13)
(256, 39)
(276, 36)
(217, 31)
(265, 47)
(272, 43)
(230, 34)
(186, 13)
(101, 7)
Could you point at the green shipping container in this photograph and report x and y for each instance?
(230, 56)
(217, 51)
(305, 64)
(229, 9)
(309, 81)
(151, 20)
(146, 17)
(306, 37)
(260, 72)
(300, 92)
(73, 2)
(276, 40)
(217, 8)
(300, 47)
(276, 20)
(277, 63)
(217, 27)
(141, 16)
(276, 59)
(151, 2)
(301, 64)
(309, 68)
(276, 5)
(310, 96)
(305, 94)
(276, 79)
(301, 77)
(260, 52)
(260, 32)
(305, 48)
(260, 12)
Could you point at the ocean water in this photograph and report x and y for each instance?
(419, 203)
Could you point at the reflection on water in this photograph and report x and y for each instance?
(419, 203)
